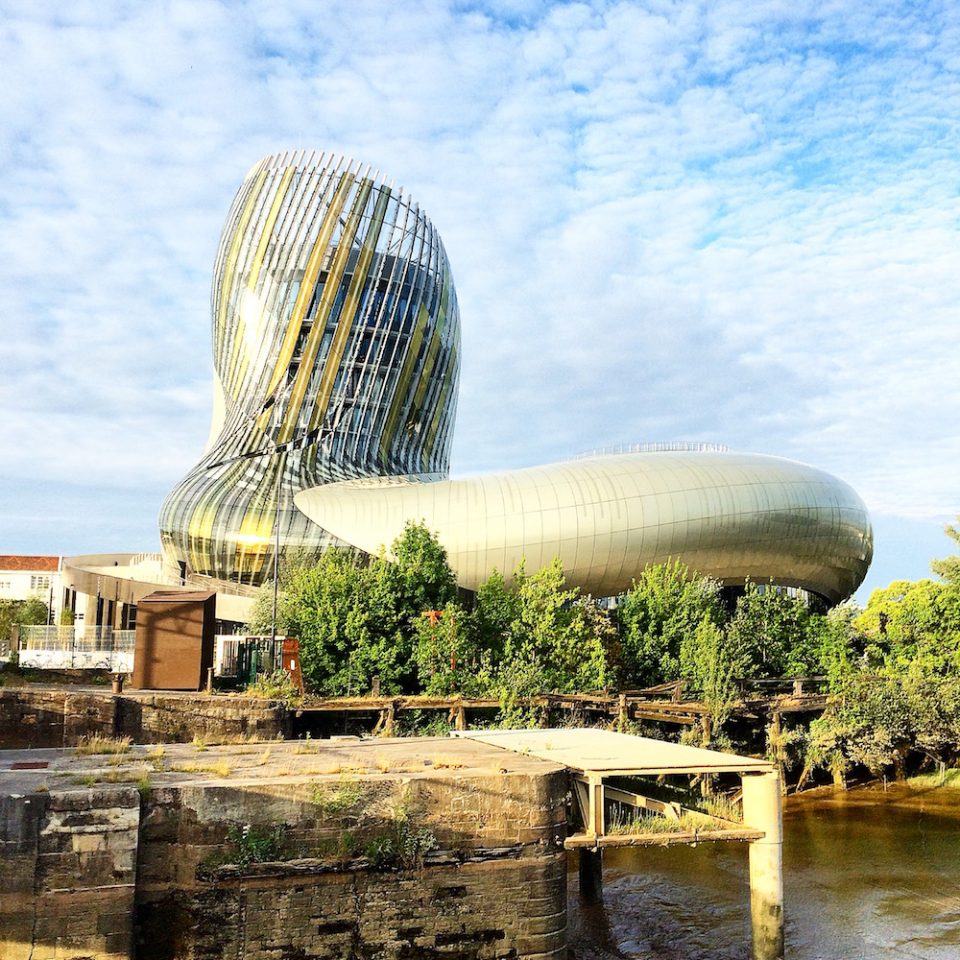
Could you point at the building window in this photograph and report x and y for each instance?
(39, 582)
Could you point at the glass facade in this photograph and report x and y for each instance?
(336, 340)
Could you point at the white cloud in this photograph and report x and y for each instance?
(717, 221)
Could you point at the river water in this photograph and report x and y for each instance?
(868, 875)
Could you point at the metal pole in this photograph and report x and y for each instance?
(276, 553)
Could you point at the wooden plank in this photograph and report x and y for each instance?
(580, 841)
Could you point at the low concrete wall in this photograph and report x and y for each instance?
(32, 717)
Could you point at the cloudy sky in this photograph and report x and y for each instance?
(718, 221)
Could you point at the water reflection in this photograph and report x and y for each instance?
(863, 881)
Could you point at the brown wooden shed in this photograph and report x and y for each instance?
(175, 640)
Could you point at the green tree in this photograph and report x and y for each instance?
(357, 618)
(840, 645)
(711, 667)
(772, 634)
(553, 634)
(28, 612)
(664, 605)
(448, 658)
(948, 569)
(913, 626)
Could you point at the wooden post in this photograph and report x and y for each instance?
(762, 811)
(375, 686)
(591, 875)
(387, 717)
(461, 721)
(596, 826)
(623, 715)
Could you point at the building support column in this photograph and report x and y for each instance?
(762, 811)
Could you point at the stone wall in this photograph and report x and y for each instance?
(69, 871)
(362, 867)
(506, 908)
(31, 717)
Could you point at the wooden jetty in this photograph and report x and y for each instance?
(597, 757)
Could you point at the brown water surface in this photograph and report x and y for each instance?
(868, 875)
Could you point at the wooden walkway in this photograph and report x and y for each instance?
(761, 700)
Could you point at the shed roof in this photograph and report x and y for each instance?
(29, 564)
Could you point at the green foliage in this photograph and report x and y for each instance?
(446, 652)
(913, 626)
(256, 844)
(278, 685)
(403, 846)
(878, 721)
(665, 605)
(355, 618)
(772, 634)
(710, 664)
(521, 639)
(948, 569)
(23, 612)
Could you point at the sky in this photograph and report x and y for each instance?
(708, 221)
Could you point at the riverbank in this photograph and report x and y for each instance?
(927, 792)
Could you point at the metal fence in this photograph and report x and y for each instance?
(243, 658)
(75, 648)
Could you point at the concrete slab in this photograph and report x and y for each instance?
(235, 764)
(614, 754)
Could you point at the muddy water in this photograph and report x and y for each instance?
(868, 875)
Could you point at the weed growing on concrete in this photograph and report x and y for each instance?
(402, 846)
(256, 844)
(97, 743)
(264, 757)
(688, 822)
(143, 786)
(156, 758)
(343, 847)
(199, 744)
(221, 769)
(85, 779)
(124, 776)
(331, 798)
(43, 788)
(275, 686)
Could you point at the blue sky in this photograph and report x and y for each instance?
(719, 221)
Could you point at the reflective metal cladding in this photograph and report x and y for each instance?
(729, 516)
(336, 341)
(336, 351)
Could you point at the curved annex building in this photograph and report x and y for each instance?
(729, 516)
(336, 351)
(336, 342)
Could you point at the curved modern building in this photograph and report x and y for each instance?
(336, 351)
(729, 516)
(336, 341)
